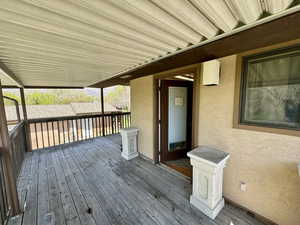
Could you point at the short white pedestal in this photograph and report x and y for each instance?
(129, 143)
(208, 165)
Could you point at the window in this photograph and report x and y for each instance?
(270, 93)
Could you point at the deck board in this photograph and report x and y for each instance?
(70, 212)
(55, 202)
(89, 183)
(31, 200)
(43, 191)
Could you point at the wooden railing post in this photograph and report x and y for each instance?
(27, 126)
(102, 111)
(9, 174)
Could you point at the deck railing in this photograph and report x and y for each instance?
(12, 154)
(48, 132)
(17, 138)
(4, 205)
(18, 146)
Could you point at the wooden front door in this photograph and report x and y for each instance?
(176, 118)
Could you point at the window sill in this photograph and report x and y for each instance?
(282, 131)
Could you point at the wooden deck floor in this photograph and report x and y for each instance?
(89, 183)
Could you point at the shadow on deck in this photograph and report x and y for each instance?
(88, 183)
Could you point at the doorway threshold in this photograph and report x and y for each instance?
(182, 165)
(174, 171)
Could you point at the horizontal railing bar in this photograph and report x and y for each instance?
(50, 119)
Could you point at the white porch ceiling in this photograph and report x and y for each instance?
(81, 42)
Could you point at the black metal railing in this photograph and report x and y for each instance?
(49, 132)
(16, 103)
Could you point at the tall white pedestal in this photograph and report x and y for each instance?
(208, 165)
(129, 143)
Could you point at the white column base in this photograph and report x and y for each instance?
(208, 165)
(211, 213)
(129, 143)
(130, 156)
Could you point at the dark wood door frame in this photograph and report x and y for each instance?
(164, 118)
(157, 79)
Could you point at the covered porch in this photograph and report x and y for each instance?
(69, 170)
(89, 183)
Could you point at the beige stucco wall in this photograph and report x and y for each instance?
(142, 113)
(265, 162)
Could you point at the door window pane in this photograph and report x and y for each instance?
(271, 90)
(177, 118)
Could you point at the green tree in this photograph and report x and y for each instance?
(70, 97)
(119, 97)
(40, 98)
(11, 95)
(57, 97)
(54, 97)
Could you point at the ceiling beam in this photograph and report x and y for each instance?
(274, 32)
(10, 75)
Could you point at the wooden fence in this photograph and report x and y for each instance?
(48, 132)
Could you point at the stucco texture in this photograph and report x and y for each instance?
(142, 113)
(266, 162)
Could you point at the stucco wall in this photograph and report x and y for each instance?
(142, 113)
(265, 162)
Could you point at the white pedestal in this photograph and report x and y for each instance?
(208, 165)
(129, 143)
